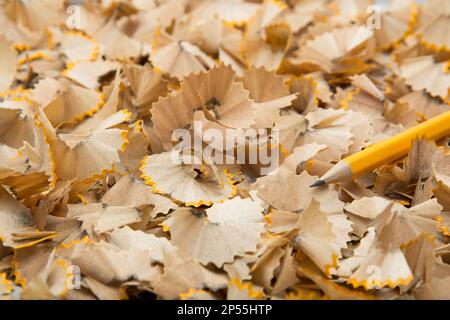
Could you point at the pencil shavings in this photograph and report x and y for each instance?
(277, 190)
(203, 186)
(73, 105)
(412, 71)
(264, 85)
(6, 288)
(432, 21)
(229, 11)
(97, 218)
(127, 239)
(118, 265)
(386, 275)
(422, 262)
(26, 162)
(308, 9)
(77, 47)
(18, 229)
(180, 59)
(331, 289)
(422, 158)
(8, 57)
(167, 149)
(352, 9)
(145, 87)
(330, 233)
(329, 48)
(197, 294)
(24, 14)
(87, 73)
(413, 107)
(265, 41)
(243, 291)
(220, 234)
(115, 44)
(130, 191)
(399, 20)
(181, 274)
(375, 271)
(73, 149)
(216, 92)
(441, 173)
(369, 208)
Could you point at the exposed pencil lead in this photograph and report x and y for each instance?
(318, 183)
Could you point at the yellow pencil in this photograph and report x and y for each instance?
(386, 151)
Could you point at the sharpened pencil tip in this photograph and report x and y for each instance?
(318, 183)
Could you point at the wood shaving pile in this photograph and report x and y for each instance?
(96, 204)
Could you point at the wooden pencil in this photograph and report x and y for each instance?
(386, 151)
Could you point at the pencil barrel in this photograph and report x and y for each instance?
(399, 145)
